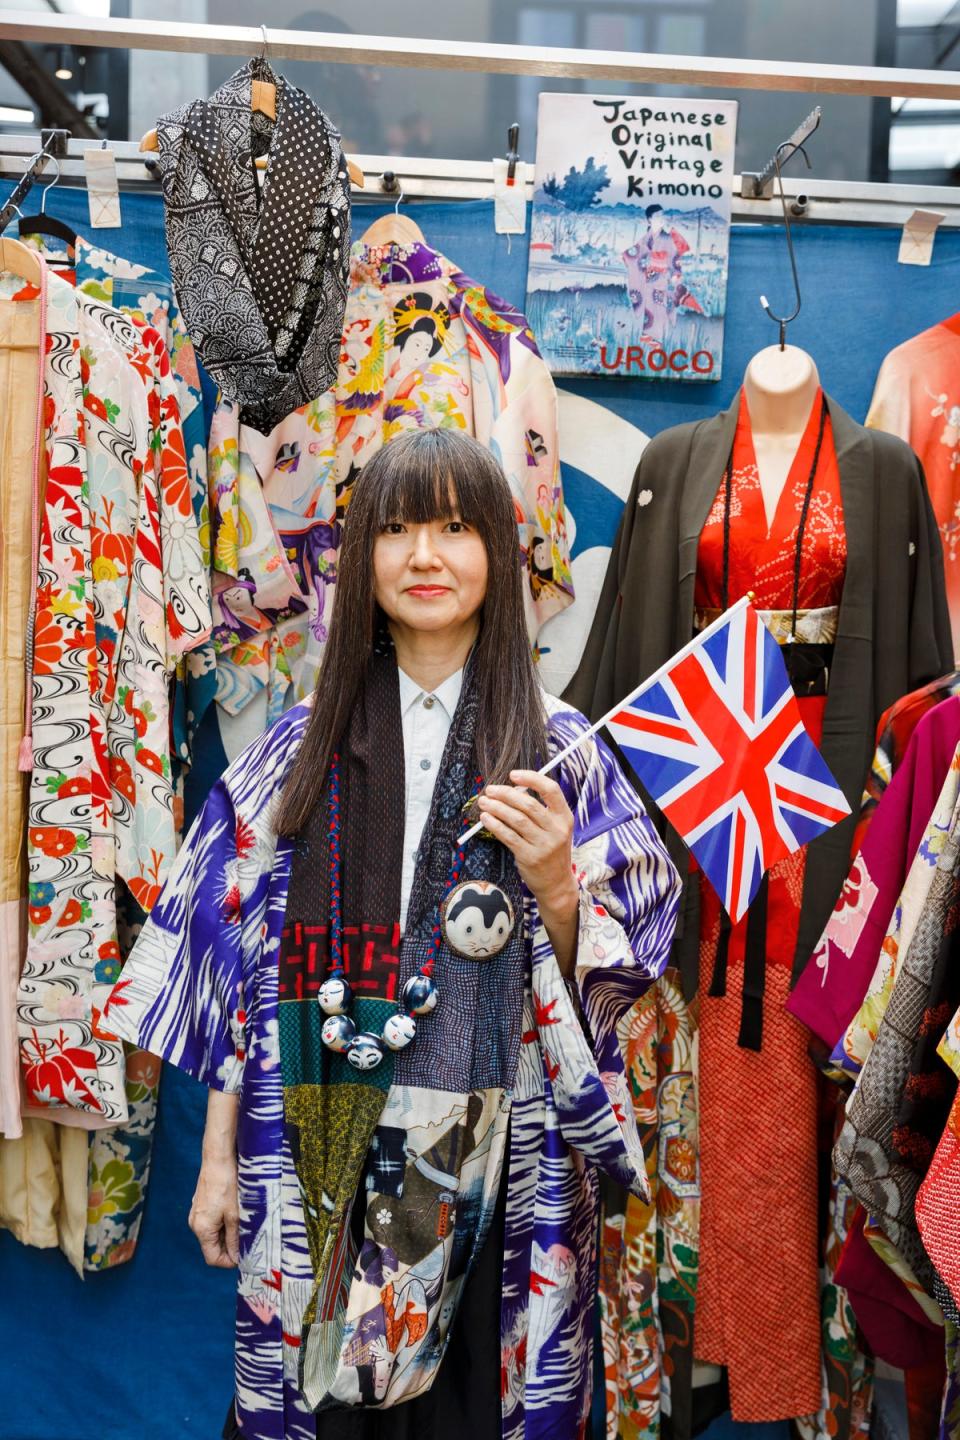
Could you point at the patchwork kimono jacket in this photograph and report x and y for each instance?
(201, 989)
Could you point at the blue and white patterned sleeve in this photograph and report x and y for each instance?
(629, 895)
(181, 992)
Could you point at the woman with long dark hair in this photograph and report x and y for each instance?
(415, 1049)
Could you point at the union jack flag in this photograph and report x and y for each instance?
(717, 739)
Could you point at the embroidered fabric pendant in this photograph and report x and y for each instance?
(477, 919)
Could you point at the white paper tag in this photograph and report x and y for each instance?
(509, 201)
(102, 191)
(916, 242)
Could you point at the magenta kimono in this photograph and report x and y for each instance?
(201, 989)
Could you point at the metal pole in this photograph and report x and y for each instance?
(388, 50)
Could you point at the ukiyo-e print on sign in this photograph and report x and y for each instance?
(202, 990)
(423, 345)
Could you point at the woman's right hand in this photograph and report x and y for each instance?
(215, 1211)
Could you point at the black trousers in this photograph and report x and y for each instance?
(464, 1401)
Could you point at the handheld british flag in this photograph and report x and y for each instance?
(717, 739)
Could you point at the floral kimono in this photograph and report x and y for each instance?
(120, 1156)
(201, 989)
(916, 397)
(861, 937)
(147, 298)
(112, 618)
(423, 345)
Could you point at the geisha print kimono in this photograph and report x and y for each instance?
(529, 1085)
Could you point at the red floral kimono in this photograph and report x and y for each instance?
(757, 1303)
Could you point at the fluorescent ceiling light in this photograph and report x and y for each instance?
(15, 115)
(921, 104)
(922, 12)
(924, 147)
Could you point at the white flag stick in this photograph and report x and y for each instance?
(599, 724)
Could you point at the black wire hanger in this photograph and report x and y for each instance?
(783, 321)
(44, 224)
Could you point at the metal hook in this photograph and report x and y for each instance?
(47, 188)
(785, 320)
(263, 45)
(396, 208)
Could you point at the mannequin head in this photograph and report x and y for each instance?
(780, 387)
(779, 372)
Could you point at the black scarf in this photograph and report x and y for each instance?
(261, 280)
(470, 1043)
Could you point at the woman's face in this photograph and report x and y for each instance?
(430, 577)
(416, 348)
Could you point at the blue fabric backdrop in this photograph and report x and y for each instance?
(144, 1352)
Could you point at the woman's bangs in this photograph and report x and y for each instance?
(428, 487)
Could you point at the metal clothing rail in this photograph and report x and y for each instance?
(393, 51)
(818, 201)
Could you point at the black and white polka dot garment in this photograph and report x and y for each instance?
(261, 274)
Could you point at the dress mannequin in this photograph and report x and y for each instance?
(780, 387)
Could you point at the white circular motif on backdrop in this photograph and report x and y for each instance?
(599, 452)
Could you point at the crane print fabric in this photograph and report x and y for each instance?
(201, 989)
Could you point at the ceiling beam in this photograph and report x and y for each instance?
(55, 106)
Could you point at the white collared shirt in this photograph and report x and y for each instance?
(426, 717)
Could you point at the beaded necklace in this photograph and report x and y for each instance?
(364, 1049)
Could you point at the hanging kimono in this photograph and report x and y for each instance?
(146, 297)
(22, 335)
(898, 1322)
(120, 1156)
(423, 345)
(894, 733)
(43, 1167)
(870, 517)
(917, 396)
(936, 1206)
(852, 1049)
(110, 618)
(36, 1182)
(901, 840)
(904, 1093)
(201, 990)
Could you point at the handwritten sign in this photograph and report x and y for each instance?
(630, 235)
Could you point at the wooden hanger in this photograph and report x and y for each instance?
(263, 99)
(393, 229)
(20, 260)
